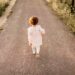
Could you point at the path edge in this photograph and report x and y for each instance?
(8, 11)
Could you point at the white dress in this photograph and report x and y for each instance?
(35, 35)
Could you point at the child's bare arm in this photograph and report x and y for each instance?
(29, 38)
(42, 32)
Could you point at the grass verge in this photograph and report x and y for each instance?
(64, 12)
(3, 6)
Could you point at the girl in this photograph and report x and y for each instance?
(35, 33)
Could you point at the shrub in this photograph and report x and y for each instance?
(64, 11)
(3, 7)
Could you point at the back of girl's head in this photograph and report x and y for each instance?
(33, 20)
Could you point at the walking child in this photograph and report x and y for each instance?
(35, 33)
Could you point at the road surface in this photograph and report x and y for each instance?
(57, 56)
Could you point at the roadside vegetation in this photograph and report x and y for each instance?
(3, 5)
(65, 10)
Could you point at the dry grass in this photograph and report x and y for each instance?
(63, 10)
(4, 1)
(3, 5)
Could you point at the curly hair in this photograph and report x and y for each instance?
(33, 20)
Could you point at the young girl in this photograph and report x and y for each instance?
(35, 33)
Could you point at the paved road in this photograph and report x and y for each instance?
(57, 52)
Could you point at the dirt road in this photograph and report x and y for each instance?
(57, 56)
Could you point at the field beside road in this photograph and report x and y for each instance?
(65, 12)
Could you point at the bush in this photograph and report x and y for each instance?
(64, 11)
(71, 23)
(2, 8)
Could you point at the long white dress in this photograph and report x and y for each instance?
(35, 35)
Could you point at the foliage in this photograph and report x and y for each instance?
(64, 10)
(3, 7)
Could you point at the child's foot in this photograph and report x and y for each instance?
(37, 55)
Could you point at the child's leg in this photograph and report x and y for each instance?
(37, 49)
(33, 49)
